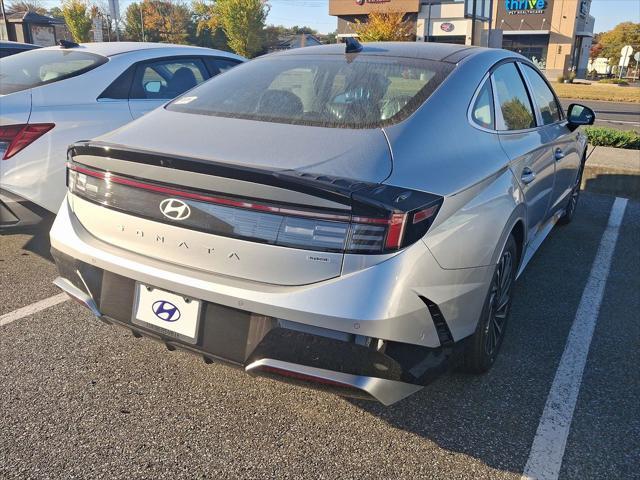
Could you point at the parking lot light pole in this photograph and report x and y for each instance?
(141, 21)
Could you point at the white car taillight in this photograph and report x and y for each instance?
(14, 138)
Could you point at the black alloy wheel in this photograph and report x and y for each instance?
(483, 347)
(570, 209)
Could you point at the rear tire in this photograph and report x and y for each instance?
(570, 209)
(483, 347)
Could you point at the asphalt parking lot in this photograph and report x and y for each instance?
(80, 399)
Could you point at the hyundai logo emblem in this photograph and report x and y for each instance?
(166, 311)
(175, 209)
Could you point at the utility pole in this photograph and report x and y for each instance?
(5, 36)
(428, 23)
(474, 14)
(141, 21)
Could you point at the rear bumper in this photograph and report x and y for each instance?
(385, 328)
(266, 346)
(17, 212)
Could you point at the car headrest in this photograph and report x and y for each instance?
(280, 103)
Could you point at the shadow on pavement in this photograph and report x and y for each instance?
(619, 185)
(38, 236)
(494, 417)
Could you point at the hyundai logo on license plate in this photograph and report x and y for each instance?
(166, 311)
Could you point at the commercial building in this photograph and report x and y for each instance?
(555, 34)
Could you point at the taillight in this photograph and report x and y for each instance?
(14, 138)
(375, 225)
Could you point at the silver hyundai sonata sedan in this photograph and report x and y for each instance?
(348, 217)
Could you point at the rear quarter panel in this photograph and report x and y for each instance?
(438, 150)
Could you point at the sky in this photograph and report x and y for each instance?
(315, 13)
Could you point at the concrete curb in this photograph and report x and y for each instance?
(612, 171)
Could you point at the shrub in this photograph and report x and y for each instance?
(616, 81)
(610, 137)
(560, 79)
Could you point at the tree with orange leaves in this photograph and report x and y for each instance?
(384, 27)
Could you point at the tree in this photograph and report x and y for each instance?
(76, 16)
(384, 27)
(164, 21)
(55, 12)
(26, 6)
(243, 22)
(516, 115)
(596, 51)
(132, 24)
(296, 30)
(203, 15)
(626, 33)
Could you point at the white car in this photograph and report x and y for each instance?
(52, 97)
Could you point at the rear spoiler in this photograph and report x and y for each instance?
(335, 189)
(406, 215)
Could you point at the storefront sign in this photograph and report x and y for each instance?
(515, 7)
(447, 27)
(364, 7)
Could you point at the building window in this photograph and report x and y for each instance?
(456, 39)
(534, 47)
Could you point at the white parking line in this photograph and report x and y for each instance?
(545, 458)
(7, 318)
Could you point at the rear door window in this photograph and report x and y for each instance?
(512, 99)
(42, 66)
(544, 97)
(166, 79)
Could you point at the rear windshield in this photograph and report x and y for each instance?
(38, 67)
(319, 90)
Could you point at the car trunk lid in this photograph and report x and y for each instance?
(257, 210)
(357, 154)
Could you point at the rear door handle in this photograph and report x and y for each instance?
(558, 154)
(527, 176)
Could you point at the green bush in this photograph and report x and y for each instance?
(560, 79)
(616, 81)
(610, 137)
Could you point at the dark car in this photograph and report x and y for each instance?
(8, 48)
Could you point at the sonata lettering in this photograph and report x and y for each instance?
(162, 240)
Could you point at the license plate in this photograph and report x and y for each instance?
(168, 313)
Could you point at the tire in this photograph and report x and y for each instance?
(572, 204)
(482, 348)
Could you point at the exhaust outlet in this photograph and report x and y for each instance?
(385, 391)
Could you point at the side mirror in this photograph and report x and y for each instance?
(578, 115)
(152, 87)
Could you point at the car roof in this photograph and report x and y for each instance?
(423, 50)
(12, 44)
(109, 49)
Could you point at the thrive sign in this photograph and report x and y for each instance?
(514, 7)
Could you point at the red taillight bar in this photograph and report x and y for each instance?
(109, 177)
(21, 136)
